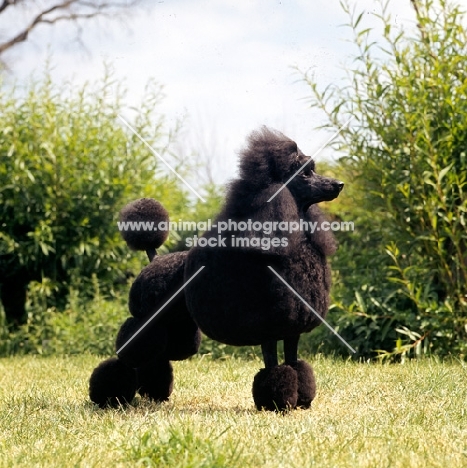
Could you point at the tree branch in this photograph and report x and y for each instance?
(97, 9)
(422, 29)
(6, 3)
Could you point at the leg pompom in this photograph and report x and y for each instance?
(155, 379)
(275, 388)
(112, 384)
(306, 384)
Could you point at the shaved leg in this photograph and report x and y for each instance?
(269, 350)
(291, 350)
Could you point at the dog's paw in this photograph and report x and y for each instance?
(155, 380)
(306, 384)
(276, 388)
(112, 384)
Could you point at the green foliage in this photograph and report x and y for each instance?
(84, 326)
(400, 284)
(68, 164)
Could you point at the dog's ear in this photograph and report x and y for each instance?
(325, 240)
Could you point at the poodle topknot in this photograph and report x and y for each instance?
(268, 156)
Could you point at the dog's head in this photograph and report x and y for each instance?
(272, 158)
(308, 187)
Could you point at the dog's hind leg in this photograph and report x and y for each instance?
(155, 379)
(305, 376)
(274, 387)
(137, 344)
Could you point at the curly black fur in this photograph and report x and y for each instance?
(276, 388)
(306, 390)
(172, 331)
(144, 210)
(155, 379)
(237, 299)
(154, 335)
(112, 384)
(137, 344)
(156, 284)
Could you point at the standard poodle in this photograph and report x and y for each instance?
(265, 278)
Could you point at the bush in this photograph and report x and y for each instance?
(67, 166)
(400, 285)
(84, 326)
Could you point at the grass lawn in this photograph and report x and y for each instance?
(365, 415)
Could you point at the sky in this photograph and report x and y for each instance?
(227, 67)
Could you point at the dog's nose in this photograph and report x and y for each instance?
(340, 185)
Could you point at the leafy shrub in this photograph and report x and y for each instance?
(400, 286)
(68, 164)
(84, 326)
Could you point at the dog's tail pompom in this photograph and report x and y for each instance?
(143, 224)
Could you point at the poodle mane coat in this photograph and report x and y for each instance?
(238, 300)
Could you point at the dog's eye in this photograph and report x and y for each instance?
(295, 166)
(308, 171)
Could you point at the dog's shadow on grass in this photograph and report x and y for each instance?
(144, 406)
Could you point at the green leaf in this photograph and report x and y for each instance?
(444, 171)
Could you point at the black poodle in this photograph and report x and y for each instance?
(265, 276)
